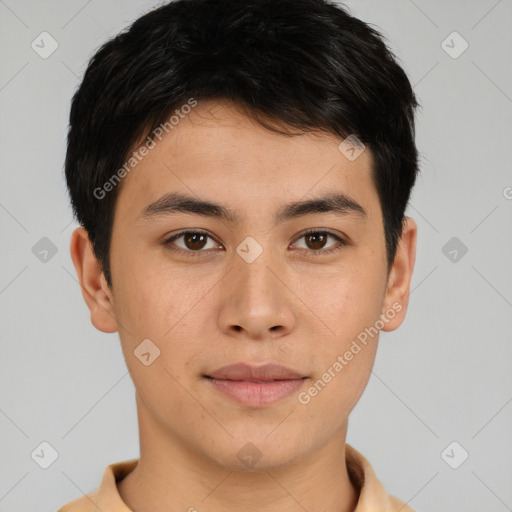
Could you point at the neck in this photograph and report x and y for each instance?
(173, 476)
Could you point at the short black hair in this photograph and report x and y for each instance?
(306, 64)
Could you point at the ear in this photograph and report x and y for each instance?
(95, 290)
(396, 298)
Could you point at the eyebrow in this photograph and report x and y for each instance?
(176, 202)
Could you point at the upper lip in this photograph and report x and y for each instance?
(242, 371)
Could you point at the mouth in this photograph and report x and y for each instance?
(256, 386)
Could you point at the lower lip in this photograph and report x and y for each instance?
(257, 394)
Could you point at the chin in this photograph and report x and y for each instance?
(257, 456)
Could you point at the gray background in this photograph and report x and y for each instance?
(444, 376)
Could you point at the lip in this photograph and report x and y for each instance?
(247, 372)
(256, 386)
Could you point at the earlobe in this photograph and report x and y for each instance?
(397, 292)
(95, 290)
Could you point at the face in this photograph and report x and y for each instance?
(285, 265)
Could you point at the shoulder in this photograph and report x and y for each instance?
(372, 494)
(106, 497)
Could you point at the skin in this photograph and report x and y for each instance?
(293, 305)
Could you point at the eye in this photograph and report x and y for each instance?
(191, 242)
(316, 242)
(196, 242)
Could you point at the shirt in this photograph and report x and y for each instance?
(372, 495)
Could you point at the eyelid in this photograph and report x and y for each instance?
(167, 242)
(320, 230)
(342, 240)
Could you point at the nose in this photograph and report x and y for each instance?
(256, 302)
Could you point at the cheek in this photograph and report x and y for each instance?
(150, 297)
(348, 305)
(344, 302)
(152, 305)
(161, 304)
(334, 392)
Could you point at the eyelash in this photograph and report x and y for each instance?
(320, 252)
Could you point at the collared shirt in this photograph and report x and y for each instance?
(372, 495)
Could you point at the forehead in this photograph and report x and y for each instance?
(215, 151)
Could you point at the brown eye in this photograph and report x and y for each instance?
(195, 241)
(191, 242)
(319, 243)
(316, 241)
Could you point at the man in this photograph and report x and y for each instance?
(240, 172)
